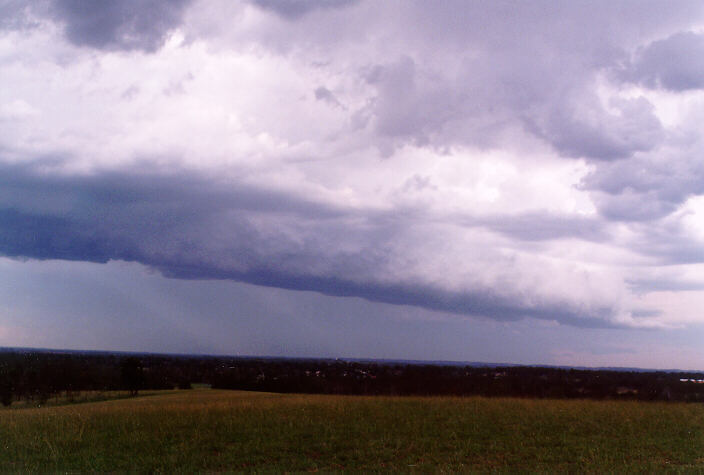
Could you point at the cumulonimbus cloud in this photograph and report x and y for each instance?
(187, 228)
(480, 159)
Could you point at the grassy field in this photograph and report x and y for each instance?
(78, 397)
(203, 429)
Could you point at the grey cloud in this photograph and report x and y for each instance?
(471, 88)
(456, 74)
(542, 226)
(189, 229)
(230, 318)
(646, 187)
(492, 68)
(409, 107)
(592, 132)
(18, 14)
(664, 284)
(629, 206)
(293, 9)
(418, 183)
(675, 63)
(646, 313)
(479, 303)
(119, 25)
(668, 242)
(326, 95)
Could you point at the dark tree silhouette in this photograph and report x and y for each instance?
(34, 376)
(5, 390)
(132, 375)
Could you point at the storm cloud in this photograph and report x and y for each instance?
(505, 160)
(187, 228)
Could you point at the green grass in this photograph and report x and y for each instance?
(78, 397)
(186, 431)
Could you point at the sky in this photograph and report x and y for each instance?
(504, 181)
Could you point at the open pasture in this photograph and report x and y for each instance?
(245, 431)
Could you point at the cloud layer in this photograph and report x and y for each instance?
(500, 160)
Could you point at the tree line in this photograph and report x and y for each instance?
(39, 375)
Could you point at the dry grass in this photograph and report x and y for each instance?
(187, 431)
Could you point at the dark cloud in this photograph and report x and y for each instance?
(675, 63)
(119, 25)
(48, 237)
(293, 9)
(192, 229)
(485, 303)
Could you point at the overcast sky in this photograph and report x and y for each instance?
(489, 181)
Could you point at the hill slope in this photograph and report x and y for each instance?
(232, 430)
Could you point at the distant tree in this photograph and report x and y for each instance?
(5, 387)
(132, 375)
